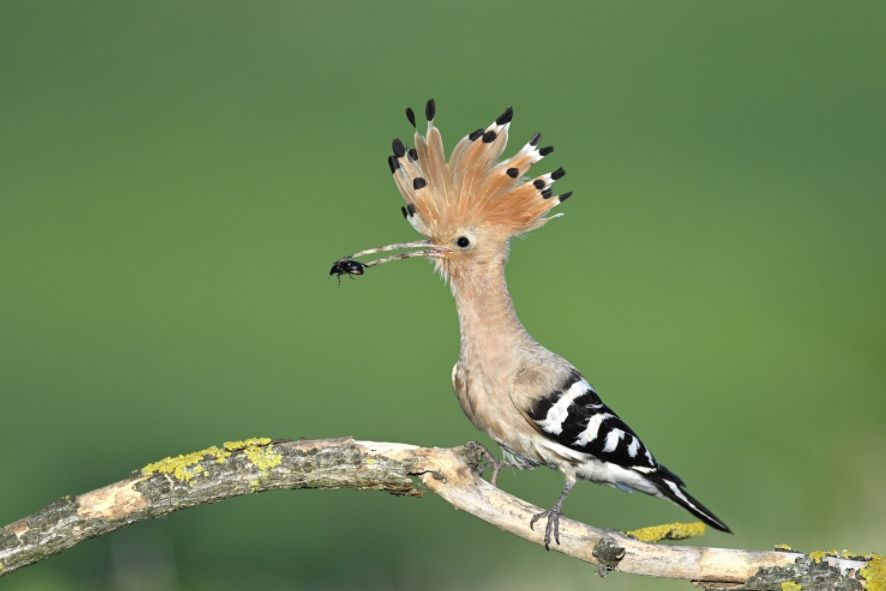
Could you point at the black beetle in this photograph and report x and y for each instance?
(348, 267)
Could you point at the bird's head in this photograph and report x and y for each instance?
(470, 206)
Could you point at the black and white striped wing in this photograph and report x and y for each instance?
(575, 417)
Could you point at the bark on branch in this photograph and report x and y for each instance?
(258, 465)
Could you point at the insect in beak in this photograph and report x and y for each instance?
(347, 265)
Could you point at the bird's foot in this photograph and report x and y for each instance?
(552, 526)
(490, 461)
(553, 515)
(481, 459)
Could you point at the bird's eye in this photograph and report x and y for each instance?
(463, 242)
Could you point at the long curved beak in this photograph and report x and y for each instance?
(424, 248)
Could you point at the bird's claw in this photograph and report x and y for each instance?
(490, 461)
(551, 527)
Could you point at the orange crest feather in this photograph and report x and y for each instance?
(473, 187)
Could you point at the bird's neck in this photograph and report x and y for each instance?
(491, 333)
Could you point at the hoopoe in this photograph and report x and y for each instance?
(531, 401)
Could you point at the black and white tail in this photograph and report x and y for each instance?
(673, 489)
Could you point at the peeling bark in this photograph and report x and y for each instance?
(454, 474)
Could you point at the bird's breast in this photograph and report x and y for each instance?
(471, 394)
(488, 405)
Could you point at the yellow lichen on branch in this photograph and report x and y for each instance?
(184, 467)
(874, 573)
(258, 450)
(264, 458)
(668, 531)
(819, 555)
(791, 586)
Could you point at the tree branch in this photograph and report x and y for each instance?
(258, 465)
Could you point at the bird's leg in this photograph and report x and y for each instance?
(511, 459)
(495, 463)
(553, 515)
(496, 468)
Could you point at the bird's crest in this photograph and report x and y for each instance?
(473, 187)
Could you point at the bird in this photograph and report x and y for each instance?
(535, 404)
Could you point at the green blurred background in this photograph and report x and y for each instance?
(178, 176)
